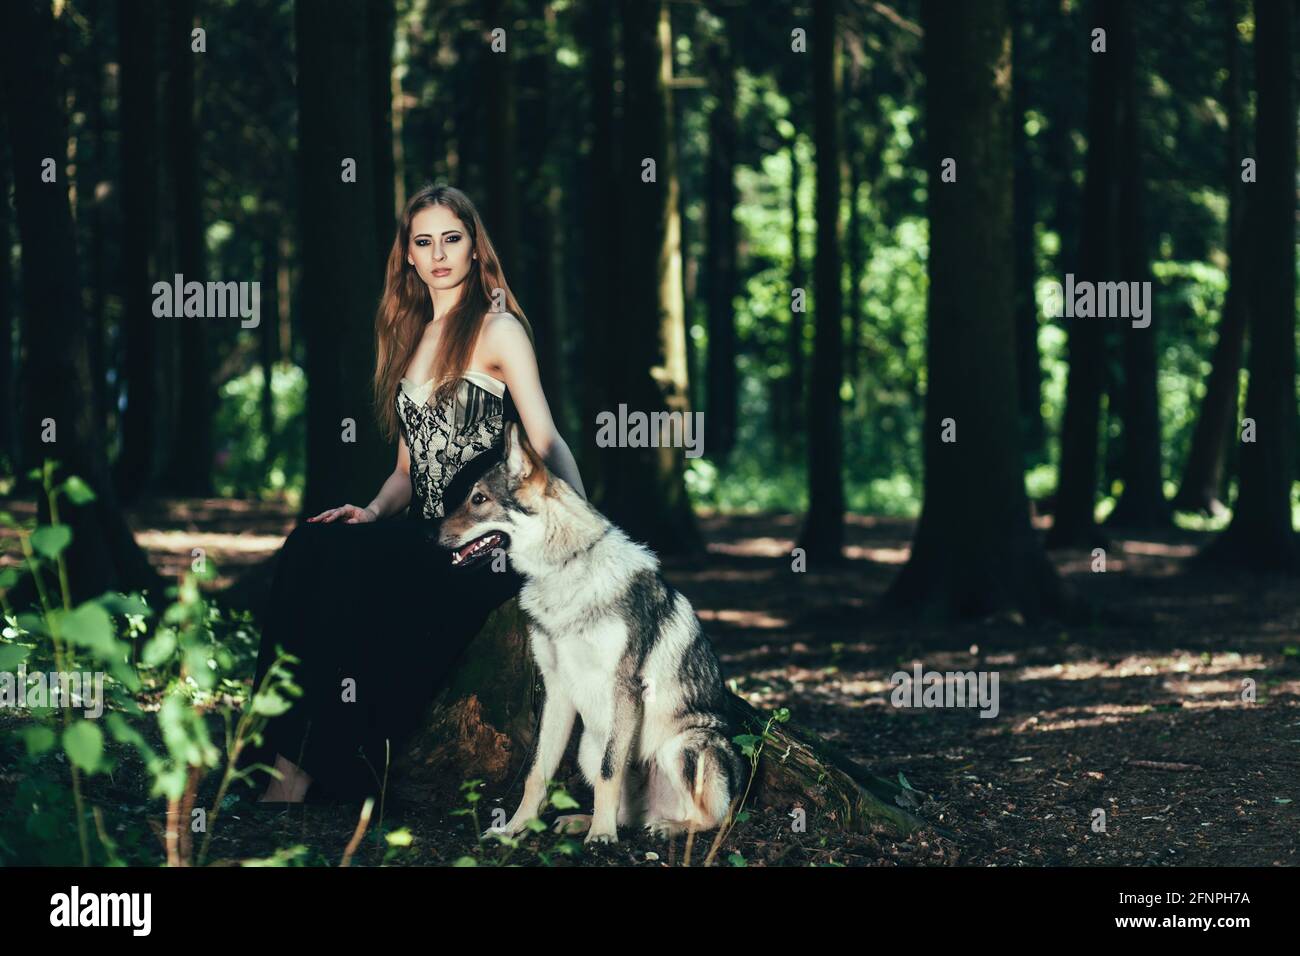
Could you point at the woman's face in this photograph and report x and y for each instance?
(439, 247)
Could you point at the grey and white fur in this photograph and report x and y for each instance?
(616, 644)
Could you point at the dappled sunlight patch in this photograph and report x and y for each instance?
(743, 618)
(878, 555)
(1143, 666)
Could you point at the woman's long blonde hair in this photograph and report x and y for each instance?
(405, 307)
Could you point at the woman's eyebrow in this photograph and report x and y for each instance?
(446, 232)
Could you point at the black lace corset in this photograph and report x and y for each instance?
(442, 437)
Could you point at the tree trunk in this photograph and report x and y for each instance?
(137, 465)
(268, 333)
(1261, 535)
(381, 20)
(720, 275)
(346, 455)
(58, 417)
(9, 450)
(541, 262)
(1029, 371)
(600, 217)
(191, 449)
(497, 114)
(645, 491)
(1142, 503)
(975, 552)
(1203, 479)
(790, 411)
(822, 537)
(483, 725)
(1073, 523)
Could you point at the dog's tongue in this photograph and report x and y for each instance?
(478, 544)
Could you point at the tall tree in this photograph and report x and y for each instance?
(647, 487)
(1203, 477)
(381, 23)
(822, 537)
(346, 456)
(720, 271)
(601, 167)
(790, 411)
(500, 126)
(136, 468)
(8, 368)
(541, 263)
(1028, 368)
(57, 415)
(1073, 523)
(974, 552)
(190, 471)
(1261, 534)
(1142, 502)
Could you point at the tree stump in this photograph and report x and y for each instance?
(483, 724)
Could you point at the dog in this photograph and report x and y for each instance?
(615, 644)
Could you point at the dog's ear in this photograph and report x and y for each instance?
(521, 460)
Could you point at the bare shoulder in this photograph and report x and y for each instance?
(503, 332)
(502, 325)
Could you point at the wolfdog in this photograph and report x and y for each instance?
(615, 643)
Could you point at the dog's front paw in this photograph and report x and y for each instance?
(595, 835)
(573, 823)
(513, 827)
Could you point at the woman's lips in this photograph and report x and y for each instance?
(442, 272)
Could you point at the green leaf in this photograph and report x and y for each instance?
(38, 740)
(8, 578)
(33, 624)
(116, 603)
(902, 782)
(78, 492)
(89, 626)
(737, 860)
(11, 655)
(270, 704)
(196, 666)
(562, 801)
(748, 743)
(50, 540)
(85, 745)
(466, 861)
(160, 648)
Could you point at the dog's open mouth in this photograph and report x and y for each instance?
(480, 549)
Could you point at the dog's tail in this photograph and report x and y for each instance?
(718, 780)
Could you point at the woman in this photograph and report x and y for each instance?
(370, 604)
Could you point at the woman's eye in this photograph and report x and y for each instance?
(421, 242)
(453, 238)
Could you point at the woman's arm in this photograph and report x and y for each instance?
(508, 351)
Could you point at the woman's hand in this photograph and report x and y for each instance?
(350, 514)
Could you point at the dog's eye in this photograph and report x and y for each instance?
(478, 498)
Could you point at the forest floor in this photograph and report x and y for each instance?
(1142, 718)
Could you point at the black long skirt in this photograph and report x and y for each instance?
(379, 604)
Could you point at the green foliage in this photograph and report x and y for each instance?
(250, 462)
(183, 671)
